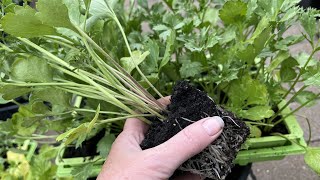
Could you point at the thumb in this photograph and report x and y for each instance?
(190, 141)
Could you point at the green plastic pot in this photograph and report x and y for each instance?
(66, 165)
(31, 147)
(274, 147)
(257, 149)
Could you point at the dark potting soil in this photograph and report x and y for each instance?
(188, 102)
(279, 128)
(88, 147)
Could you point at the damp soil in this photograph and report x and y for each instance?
(88, 147)
(187, 102)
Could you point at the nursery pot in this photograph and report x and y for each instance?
(274, 147)
(66, 165)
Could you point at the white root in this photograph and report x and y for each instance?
(231, 120)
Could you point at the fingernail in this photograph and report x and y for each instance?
(213, 125)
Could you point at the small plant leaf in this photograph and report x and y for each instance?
(302, 58)
(233, 12)
(82, 172)
(99, 8)
(283, 55)
(53, 13)
(306, 96)
(169, 48)
(190, 69)
(130, 63)
(24, 18)
(94, 120)
(254, 131)
(309, 23)
(11, 92)
(32, 69)
(152, 78)
(257, 113)
(313, 80)
(59, 100)
(312, 158)
(104, 145)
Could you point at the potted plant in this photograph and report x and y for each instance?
(15, 157)
(240, 58)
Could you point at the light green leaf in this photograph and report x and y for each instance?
(254, 131)
(39, 108)
(160, 27)
(104, 145)
(252, 6)
(73, 11)
(302, 58)
(150, 65)
(99, 8)
(23, 23)
(212, 16)
(73, 134)
(288, 4)
(60, 100)
(312, 158)
(287, 73)
(255, 46)
(311, 75)
(54, 13)
(129, 63)
(169, 48)
(257, 113)
(152, 78)
(282, 55)
(94, 120)
(263, 24)
(233, 12)
(82, 172)
(306, 96)
(15, 125)
(309, 23)
(288, 41)
(11, 92)
(3, 101)
(190, 69)
(292, 12)
(247, 91)
(32, 69)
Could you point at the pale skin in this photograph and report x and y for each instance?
(127, 160)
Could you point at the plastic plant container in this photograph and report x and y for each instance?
(66, 165)
(274, 147)
(31, 147)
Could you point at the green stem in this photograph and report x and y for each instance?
(287, 104)
(126, 117)
(258, 123)
(130, 52)
(101, 112)
(60, 43)
(297, 109)
(132, 80)
(86, 16)
(35, 137)
(299, 75)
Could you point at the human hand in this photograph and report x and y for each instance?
(127, 160)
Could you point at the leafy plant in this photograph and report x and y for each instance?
(96, 52)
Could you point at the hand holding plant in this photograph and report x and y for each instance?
(128, 160)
